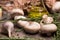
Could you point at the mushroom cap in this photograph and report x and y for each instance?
(49, 28)
(22, 23)
(8, 4)
(48, 20)
(56, 6)
(18, 11)
(19, 17)
(44, 16)
(8, 25)
(32, 27)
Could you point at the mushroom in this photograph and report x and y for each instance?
(32, 27)
(8, 4)
(48, 28)
(22, 23)
(47, 19)
(56, 7)
(16, 12)
(9, 26)
(19, 17)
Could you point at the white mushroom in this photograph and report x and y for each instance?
(32, 27)
(22, 23)
(9, 26)
(19, 17)
(8, 4)
(47, 19)
(44, 16)
(48, 28)
(56, 7)
(16, 12)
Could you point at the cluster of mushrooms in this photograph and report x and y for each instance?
(45, 25)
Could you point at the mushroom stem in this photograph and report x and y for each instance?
(9, 26)
(41, 22)
(9, 33)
